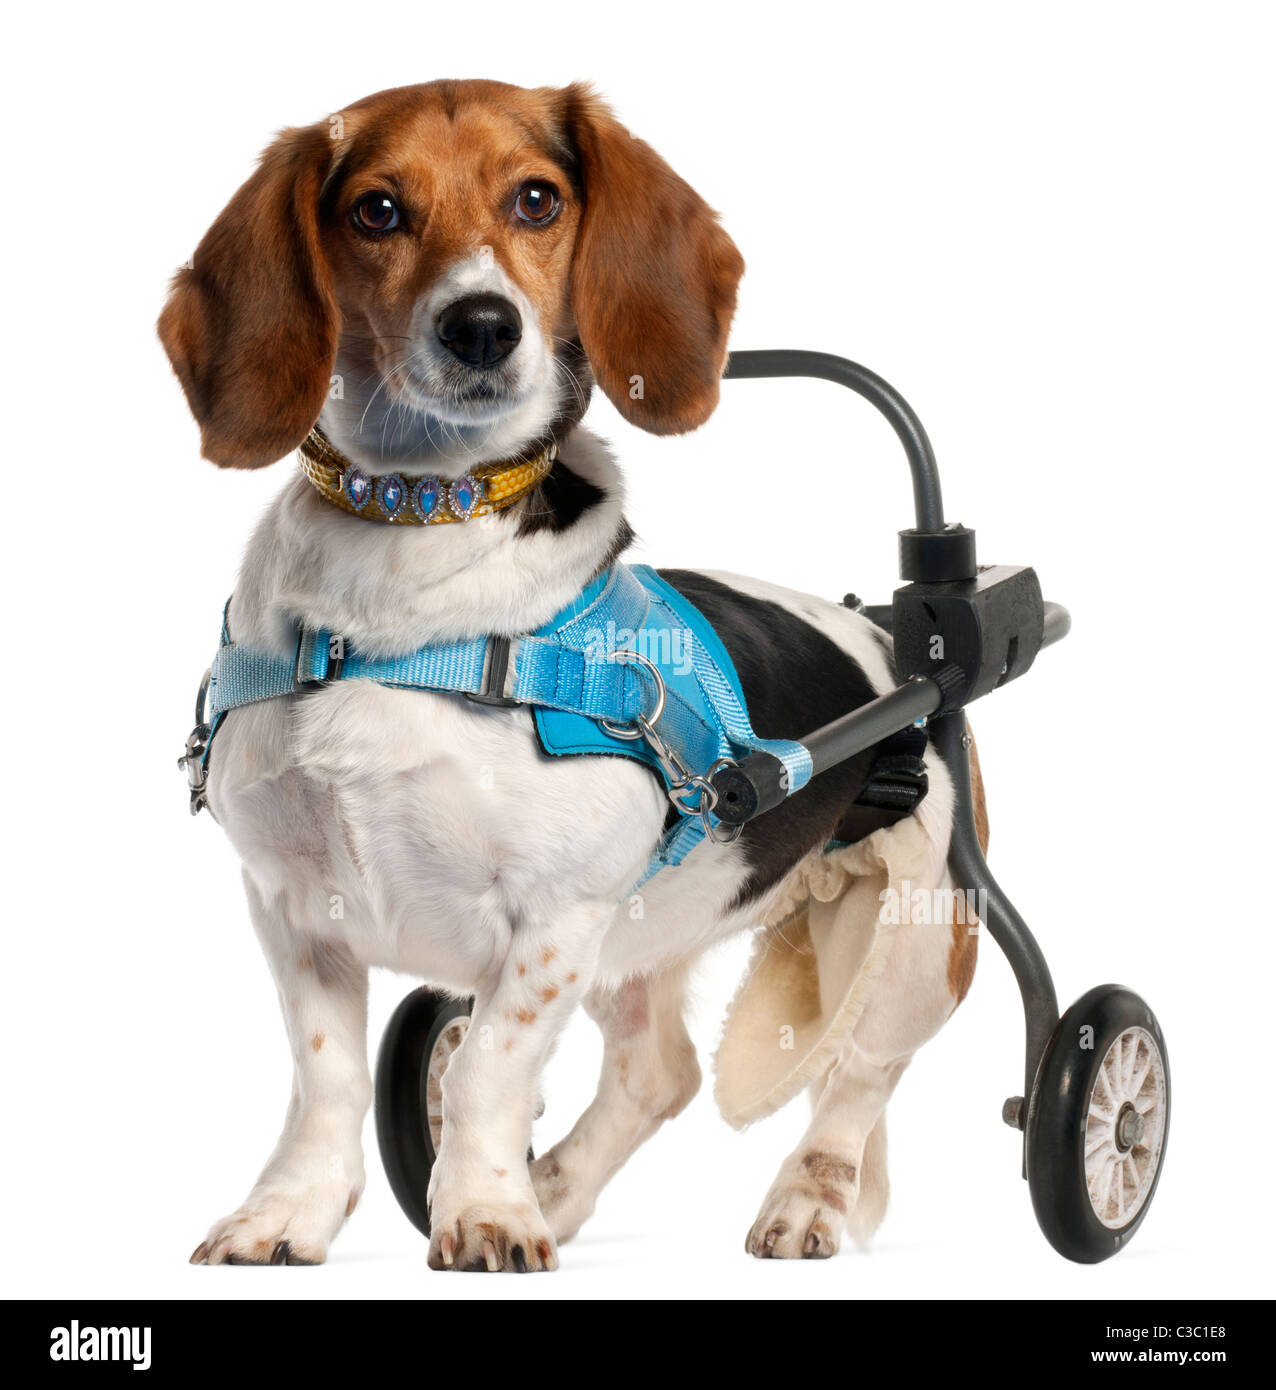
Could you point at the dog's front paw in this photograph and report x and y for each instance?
(278, 1228)
(492, 1237)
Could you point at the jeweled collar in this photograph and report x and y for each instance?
(418, 499)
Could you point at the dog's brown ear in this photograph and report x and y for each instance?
(654, 278)
(251, 324)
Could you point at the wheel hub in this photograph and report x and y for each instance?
(1125, 1126)
(1131, 1128)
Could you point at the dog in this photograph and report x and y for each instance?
(436, 277)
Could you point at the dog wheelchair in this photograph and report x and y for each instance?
(1095, 1107)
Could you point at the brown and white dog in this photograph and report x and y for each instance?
(466, 259)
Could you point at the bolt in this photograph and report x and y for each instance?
(1130, 1128)
(1012, 1112)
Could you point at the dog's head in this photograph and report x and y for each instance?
(434, 264)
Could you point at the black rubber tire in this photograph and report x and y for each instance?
(1057, 1122)
(403, 1132)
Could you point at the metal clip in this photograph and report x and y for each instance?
(192, 761)
(683, 782)
(637, 730)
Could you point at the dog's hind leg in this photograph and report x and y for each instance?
(315, 1175)
(649, 1073)
(836, 1177)
(835, 1180)
(870, 1207)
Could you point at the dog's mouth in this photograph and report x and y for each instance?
(463, 398)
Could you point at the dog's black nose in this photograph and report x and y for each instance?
(481, 329)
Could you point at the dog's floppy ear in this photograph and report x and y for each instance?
(654, 277)
(251, 324)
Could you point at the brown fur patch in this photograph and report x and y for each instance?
(833, 1177)
(962, 953)
(550, 992)
(525, 1015)
(826, 1168)
(316, 1042)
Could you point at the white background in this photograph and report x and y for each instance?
(1050, 225)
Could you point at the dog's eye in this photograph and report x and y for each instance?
(537, 201)
(376, 213)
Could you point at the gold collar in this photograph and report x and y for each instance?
(418, 499)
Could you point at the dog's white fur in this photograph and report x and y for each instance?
(429, 835)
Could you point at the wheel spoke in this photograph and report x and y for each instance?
(1098, 1144)
(1130, 1077)
(1140, 1079)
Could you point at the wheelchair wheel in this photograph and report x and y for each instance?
(423, 1033)
(1097, 1124)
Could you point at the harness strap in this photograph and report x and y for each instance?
(564, 666)
(677, 707)
(897, 784)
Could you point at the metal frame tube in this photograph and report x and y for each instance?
(970, 870)
(880, 718)
(928, 500)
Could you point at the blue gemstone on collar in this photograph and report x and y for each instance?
(390, 492)
(358, 488)
(463, 495)
(425, 497)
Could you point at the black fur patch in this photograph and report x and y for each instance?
(795, 680)
(560, 501)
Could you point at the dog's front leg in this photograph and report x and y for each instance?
(313, 1179)
(483, 1209)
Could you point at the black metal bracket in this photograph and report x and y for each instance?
(988, 628)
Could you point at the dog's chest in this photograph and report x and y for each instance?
(421, 829)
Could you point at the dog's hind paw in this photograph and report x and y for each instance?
(565, 1202)
(493, 1238)
(796, 1228)
(804, 1214)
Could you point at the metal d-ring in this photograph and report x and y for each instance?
(636, 730)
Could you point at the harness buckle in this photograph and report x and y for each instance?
(334, 660)
(495, 671)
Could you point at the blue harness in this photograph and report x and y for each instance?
(630, 668)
